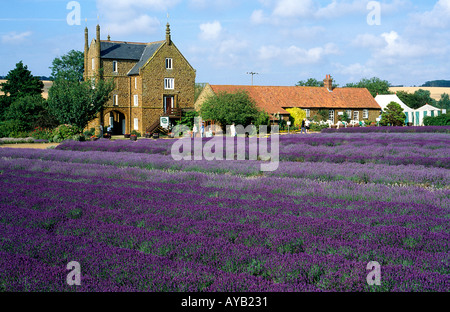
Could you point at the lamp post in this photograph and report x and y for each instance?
(252, 73)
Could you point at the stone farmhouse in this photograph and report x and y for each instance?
(357, 102)
(152, 80)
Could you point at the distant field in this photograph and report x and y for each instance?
(47, 85)
(435, 92)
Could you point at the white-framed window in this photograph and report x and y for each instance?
(366, 114)
(356, 115)
(349, 113)
(169, 83)
(136, 124)
(135, 83)
(308, 113)
(331, 115)
(169, 63)
(136, 100)
(115, 66)
(116, 100)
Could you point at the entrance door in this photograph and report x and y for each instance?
(168, 103)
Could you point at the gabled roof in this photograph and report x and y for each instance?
(121, 50)
(133, 51)
(148, 53)
(428, 107)
(385, 99)
(275, 99)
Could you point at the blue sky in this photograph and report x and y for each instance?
(284, 41)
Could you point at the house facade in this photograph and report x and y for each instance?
(152, 80)
(357, 102)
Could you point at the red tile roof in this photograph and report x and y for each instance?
(275, 99)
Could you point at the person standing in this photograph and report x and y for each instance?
(303, 127)
(307, 122)
(233, 130)
(194, 130)
(101, 130)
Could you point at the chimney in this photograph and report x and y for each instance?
(97, 52)
(168, 40)
(86, 52)
(328, 82)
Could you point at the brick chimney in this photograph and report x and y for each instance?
(328, 82)
(86, 52)
(168, 39)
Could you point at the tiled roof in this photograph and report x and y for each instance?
(275, 99)
(149, 51)
(134, 51)
(121, 50)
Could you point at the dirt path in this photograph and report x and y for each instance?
(30, 145)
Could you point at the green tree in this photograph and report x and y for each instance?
(29, 112)
(312, 82)
(393, 115)
(70, 66)
(444, 102)
(76, 103)
(187, 119)
(227, 108)
(417, 99)
(374, 85)
(19, 83)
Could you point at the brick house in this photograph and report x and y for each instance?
(358, 103)
(152, 80)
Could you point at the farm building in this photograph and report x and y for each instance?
(426, 110)
(357, 102)
(152, 80)
(384, 100)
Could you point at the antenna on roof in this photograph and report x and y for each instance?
(252, 73)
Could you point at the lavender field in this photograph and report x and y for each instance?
(136, 220)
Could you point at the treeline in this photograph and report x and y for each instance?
(437, 83)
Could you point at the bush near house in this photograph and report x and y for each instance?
(442, 120)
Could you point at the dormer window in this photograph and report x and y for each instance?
(169, 63)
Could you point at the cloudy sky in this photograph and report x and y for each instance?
(405, 42)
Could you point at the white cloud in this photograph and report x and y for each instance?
(294, 55)
(15, 38)
(438, 17)
(210, 31)
(368, 41)
(124, 18)
(293, 8)
(145, 23)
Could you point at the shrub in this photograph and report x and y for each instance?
(442, 120)
(297, 115)
(64, 132)
(138, 134)
(41, 133)
(12, 129)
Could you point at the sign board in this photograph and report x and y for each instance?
(164, 122)
(340, 113)
(288, 123)
(378, 119)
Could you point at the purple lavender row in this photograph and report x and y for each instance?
(167, 244)
(291, 186)
(364, 173)
(317, 226)
(426, 129)
(294, 148)
(372, 211)
(109, 268)
(285, 240)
